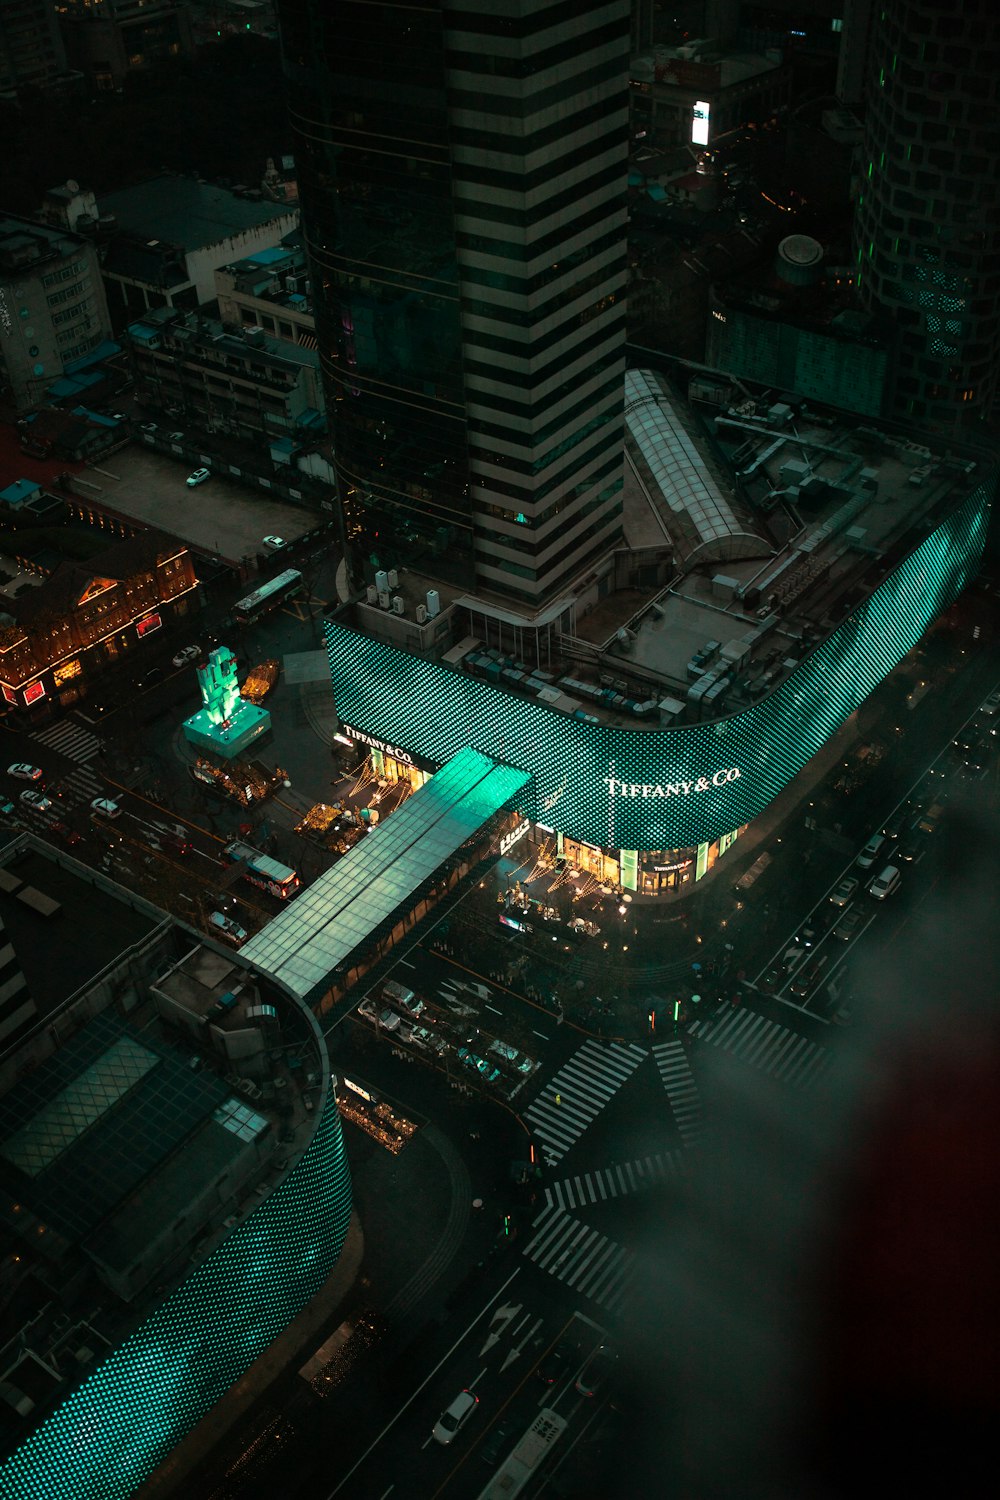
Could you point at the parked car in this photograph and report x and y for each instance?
(886, 884)
(470, 1059)
(24, 772)
(897, 821)
(808, 976)
(977, 756)
(845, 891)
(597, 1370)
(67, 835)
(870, 852)
(175, 437)
(147, 426)
(991, 706)
(186, 654)
(7, 807)
(492, 1450)
(849, 924)
(454, 1417)
(198, 476)
(387, 1019)
(228, 928)
(402, 998)
(37, 801)
(555, 1363)
(510, 1055)
(274, 543)
(105, 808)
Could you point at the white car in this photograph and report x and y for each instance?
(229, 929)
(24, 772)
(198, 477)
(105, 808)
(886, 884)
(386, 1019)
(189, 653)
(450, 1422)
(274, 543)
(36, 801)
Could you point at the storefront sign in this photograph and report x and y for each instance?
(669, 869)
(357, 1089)
(618, 788)
(34, 691)
(515, 836)
(369, 739)
(148, 624)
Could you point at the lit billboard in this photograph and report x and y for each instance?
(699, 122)
(648, 789)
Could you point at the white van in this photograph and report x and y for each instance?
(870, 852)
(402, 998)
(511, 1056)
(885, 884)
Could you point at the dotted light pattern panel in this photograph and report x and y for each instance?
(110, 1434)
(651, 789)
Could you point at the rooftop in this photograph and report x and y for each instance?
(188, 213)
(781, 520)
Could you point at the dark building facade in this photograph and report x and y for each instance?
(928, 218)
(462, 172)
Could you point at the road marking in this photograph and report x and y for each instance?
(541, 1034)
(500, 1013)
(426, 1381)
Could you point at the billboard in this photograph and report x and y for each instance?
(699, 122)
(644, 788)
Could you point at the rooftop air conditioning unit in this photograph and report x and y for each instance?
(292, 284)
(421, 614)
(393, 578)
(381, 580)
(383, 598)
(372, 594)
(398, 604)
(433, 603)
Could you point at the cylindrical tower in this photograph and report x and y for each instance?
(928, 226)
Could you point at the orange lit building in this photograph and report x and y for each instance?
(87, 616)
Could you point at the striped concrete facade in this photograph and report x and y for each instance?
(538, 112)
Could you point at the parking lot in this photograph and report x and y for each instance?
(222, 516)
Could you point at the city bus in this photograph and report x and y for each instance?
(286, 585)
(263, 871)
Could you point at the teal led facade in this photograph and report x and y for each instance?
(649, 789)
(111, 1433)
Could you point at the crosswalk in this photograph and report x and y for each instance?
(580, 1257)
(682, 1091)
(81, 785)
(764, 1044)
(605, 1183)
(575, 1096)
(69, 739)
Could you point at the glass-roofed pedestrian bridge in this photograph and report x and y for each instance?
(358, 911)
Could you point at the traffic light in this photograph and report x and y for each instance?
(652, 1021)
(506, 1225)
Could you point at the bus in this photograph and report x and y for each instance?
(282, 586)
(263, 871)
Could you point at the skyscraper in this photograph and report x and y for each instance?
(462, 169)
(928, 226)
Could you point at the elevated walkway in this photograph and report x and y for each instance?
(357, 899)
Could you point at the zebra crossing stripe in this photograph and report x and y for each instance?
(606, 1183)
(776, 1050)
(577, 1093)
(69, 739)
(571, 1252)
(682, 1091)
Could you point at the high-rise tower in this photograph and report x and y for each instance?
(928, 220)
(462, 169)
